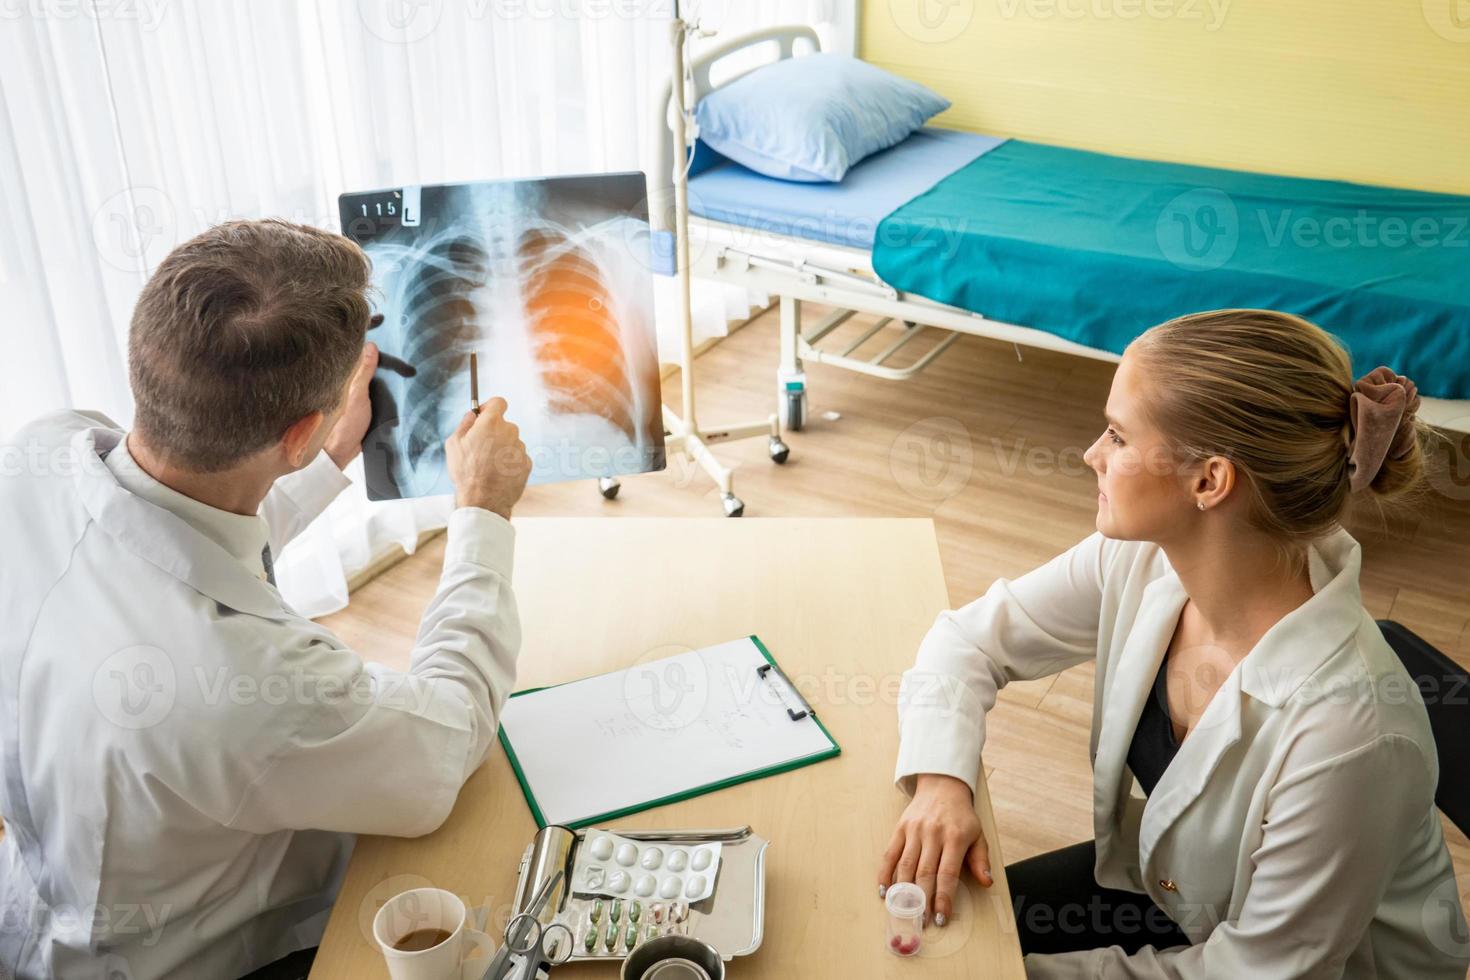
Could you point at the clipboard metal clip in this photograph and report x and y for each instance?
(764, 671)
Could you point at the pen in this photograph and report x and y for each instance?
(474, 384)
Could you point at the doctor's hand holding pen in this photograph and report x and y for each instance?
(937, 837)
(487, 461)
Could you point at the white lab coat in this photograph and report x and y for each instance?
(186, 759)
(1296, 823)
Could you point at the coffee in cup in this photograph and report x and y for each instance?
(425, 934)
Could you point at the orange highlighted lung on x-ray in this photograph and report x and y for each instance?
(549, 284)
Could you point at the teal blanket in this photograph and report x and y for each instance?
(1097, 248)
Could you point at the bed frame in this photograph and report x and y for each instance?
(799, 270)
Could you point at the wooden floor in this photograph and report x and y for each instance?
(990, 448)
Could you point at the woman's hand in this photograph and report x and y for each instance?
(937, 835)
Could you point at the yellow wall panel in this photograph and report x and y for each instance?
(1376, 91)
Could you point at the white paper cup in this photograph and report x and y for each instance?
(431, 908)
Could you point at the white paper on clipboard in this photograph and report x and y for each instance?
(661, 730)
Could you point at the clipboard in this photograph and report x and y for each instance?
(593, 750)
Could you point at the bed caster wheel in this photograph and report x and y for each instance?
(608, 486)
(780, 452)
(795, 410)
(734, 506)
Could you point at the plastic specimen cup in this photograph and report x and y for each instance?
(906, 906)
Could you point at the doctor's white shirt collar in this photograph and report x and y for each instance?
(243, 537)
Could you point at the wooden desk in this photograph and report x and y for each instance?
(842, 604)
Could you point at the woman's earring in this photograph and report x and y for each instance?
(1201, 505)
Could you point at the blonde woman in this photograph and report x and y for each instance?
(1283, 823)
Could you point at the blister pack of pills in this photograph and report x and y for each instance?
(614, 927)
(615, 866)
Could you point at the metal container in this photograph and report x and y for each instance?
(674, 958)
(731, 920)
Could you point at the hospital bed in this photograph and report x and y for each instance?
(1024, 242)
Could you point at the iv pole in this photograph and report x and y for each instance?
(684, 434)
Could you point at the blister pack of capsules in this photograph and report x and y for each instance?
(614, 927)
(615, 866)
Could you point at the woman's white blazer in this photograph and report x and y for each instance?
(1294, 835)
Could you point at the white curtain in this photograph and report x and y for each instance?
(127, 128)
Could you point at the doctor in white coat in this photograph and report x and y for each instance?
(185, 759)
(1264, 772)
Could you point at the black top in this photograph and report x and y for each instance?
(1153, 746)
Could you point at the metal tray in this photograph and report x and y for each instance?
(731, 920)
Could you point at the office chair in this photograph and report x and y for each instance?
(1446, 689)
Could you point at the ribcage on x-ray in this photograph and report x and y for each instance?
(536, 300)
(441, 329)
(575, 338)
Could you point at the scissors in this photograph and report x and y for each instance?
(525, 935)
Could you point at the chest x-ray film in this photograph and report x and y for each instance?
(549, 283)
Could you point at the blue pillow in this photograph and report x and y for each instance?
(811, 118)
